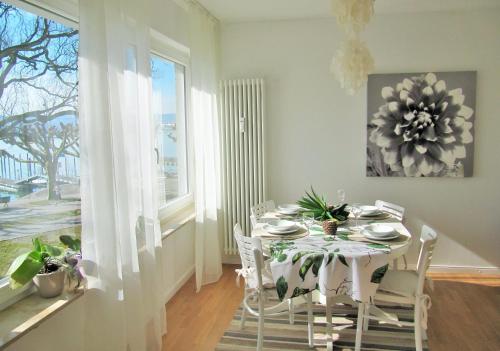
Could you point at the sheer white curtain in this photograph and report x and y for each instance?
(206, 138)
(124, 303)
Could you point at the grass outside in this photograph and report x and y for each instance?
(10, 249)
(36, 219)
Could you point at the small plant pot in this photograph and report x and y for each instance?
(330, 227)
(50, 284)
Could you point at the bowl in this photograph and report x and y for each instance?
(369, 210)
(380, 230)
(288, 209)
(281, 224)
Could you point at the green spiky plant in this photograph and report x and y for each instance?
(317, 206)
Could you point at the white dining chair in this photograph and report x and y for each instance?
(257, 211)
(397, 212)
(405, 287)
(258, 284)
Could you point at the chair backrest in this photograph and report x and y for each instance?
(395, 210)
(257, 211)
(428, 239)
(250, 253)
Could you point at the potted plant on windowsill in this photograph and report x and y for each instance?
(73, 259)
(46, 266)
(329, 215)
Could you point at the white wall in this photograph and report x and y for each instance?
(316, 134)
(178, 258)
(62, 331)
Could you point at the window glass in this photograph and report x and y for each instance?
(170, 127)
(39, 138)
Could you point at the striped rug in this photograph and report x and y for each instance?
(280, 335)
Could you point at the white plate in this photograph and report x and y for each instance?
(273, 230)
(288, 209)
(281, 224)
(381, 215)
(370, 210)
(382, 238)
(380, 230)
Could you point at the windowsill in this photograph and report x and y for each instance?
(176, 206)
(172, 223)
(23, 316)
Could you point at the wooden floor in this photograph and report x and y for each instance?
(465, 313)
(196, 321)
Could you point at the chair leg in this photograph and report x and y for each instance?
(329, 341)
(405, 261)
(395, 264)
(243, 318)
(243, 314)
(359, 327)
(260, 335)
(418, 325)
(366, 321)
(291, 311)
(310, 321)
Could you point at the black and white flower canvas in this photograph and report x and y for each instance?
(421, 124)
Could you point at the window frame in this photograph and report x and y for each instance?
(63, 13)
(168, 49)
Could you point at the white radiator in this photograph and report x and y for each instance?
(242, 109)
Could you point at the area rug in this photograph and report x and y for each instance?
(279, 334)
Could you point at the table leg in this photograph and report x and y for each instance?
(359, 327)
(310, 320)
(329, 340)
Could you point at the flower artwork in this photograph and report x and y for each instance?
(421, 124)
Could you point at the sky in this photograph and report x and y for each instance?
(164, 90)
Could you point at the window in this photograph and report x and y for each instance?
(39, 138)
(169, 113)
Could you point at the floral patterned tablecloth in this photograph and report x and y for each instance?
(329, 264)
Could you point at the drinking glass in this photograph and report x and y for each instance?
(356, 211)
(341, 196)
(308, 219)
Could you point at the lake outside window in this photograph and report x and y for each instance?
(168, 80)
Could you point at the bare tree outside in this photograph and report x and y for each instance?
(38, 89)
(39, 136)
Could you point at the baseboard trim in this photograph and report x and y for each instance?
(460, 269)
(180, 282)
(231, 259)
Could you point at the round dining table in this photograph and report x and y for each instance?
(348, 265)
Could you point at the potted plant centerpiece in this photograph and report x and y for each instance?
(45, 265)
(329, 215)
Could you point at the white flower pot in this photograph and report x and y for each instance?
(50, 284)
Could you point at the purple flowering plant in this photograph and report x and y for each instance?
(73, 258)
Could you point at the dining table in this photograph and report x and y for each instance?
(347, 265)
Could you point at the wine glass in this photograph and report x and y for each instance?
(341, 196)
(308, 219)
(356, 211)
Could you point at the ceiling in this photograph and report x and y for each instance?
(263, 10)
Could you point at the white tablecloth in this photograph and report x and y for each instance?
(332, 265)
